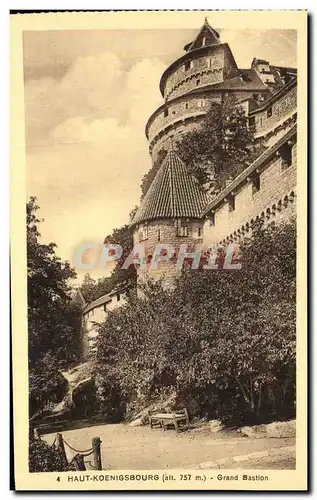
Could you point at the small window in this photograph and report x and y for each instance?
(256, 183)
(199, 232)
(252, 121)
(165, 112)
(232, 203)
(197, 82)
(285, 152)
(186, 105)
(212, 219)
(181, 228)
(143, 233)
(204, 41)
(187, 65)
(118, 296)
(209, 62)
(105, 307)
(269, 113)
(158, 235)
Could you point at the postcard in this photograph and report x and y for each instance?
(158, 250)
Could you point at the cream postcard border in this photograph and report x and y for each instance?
(278, 480)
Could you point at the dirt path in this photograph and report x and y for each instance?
(126, 447)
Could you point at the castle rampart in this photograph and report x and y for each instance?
(265, 190)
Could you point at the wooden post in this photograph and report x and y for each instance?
(37, 434)
(61, 447)
(79, 462)
(96, 442)
(187, 417)
(175, 422)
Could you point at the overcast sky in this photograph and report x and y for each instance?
(88, 95)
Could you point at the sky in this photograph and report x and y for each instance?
(88, 95)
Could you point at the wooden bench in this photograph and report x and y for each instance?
(177, 419)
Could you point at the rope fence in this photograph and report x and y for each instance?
(78, 460)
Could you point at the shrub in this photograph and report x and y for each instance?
(223, 341)
(45, 385)
(45, 458)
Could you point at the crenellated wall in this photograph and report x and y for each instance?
(275, 112)
(275, 200)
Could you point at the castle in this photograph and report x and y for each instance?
(176, 210)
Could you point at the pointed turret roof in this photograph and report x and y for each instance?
(206, 36)
(174, 193)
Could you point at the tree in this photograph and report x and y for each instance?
(149, 176)
(93, 289)
(230, 349)
(53, 320)
(222, 146)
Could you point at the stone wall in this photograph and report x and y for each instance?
(274, 201)
(97, 315)
(275, 112)
(164, 232)
(209, 65)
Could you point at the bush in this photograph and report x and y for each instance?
(45, 385)
(223, 340)
(45, 458)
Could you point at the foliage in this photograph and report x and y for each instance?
(46, 384)
(229, 352)
(93, 289)
(149, 176)
(222, 146)
(45, 458)
(53, 320)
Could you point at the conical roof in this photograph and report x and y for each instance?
(174, 193)
(206, 32)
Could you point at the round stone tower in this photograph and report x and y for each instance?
(205, 73)
(168, 217)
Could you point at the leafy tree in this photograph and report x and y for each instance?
(53, 320)
(230, 349)
(149, 176)
(93, 289)
(222, 146)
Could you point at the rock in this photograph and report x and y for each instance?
(215, 426)
(256, 431)
(137, 422)
(281, 429)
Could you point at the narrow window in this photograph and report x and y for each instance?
(165, 112)
(158, 235)
(186, 105)
(232, 203)
(181, 228)
(256, 183)
(212, 219)
(269, 113)
(252, 121)
(199, 232)
(198, 82)
(105, 307)
(285, 152)
(143, 233)
(118, 296)
(187, 65)
(204, 41)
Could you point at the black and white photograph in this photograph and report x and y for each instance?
(164, 226)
